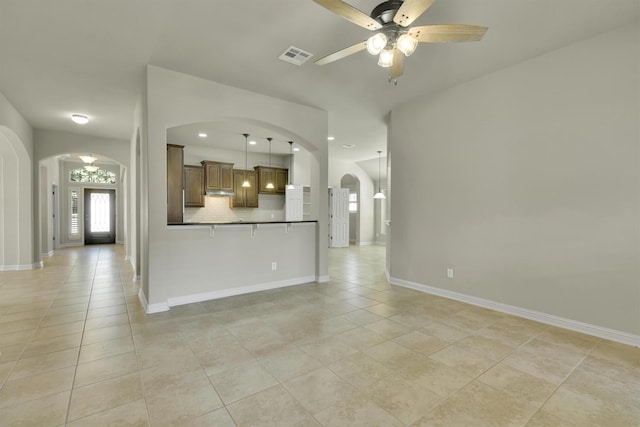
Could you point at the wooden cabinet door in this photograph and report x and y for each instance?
(212, 176)
(237, 200)
(281, 181)
(265, 176)
(175, 159)
(218, 176)
(226, 176)
(193, 186)
(251, 193)
(244, 197)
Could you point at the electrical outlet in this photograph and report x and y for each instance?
(450, 273)
(274, 266)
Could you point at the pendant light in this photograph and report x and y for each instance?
(379, 194)
(270, 183)
(290, 186)
(246, 183)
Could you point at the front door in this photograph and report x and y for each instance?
(99, 216)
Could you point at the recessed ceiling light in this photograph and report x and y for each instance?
(252, 143)
(202, 135)
(80, 119)
(348, 145)
(331, 138)
(296, 149)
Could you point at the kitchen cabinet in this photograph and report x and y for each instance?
(218, 176)
(244, 197)
(193, 186)
(278, 176)
(175, 186)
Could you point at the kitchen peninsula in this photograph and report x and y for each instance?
(228, 250)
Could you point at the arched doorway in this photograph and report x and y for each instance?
(353, 184)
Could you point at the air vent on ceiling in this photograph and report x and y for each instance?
(295, 56)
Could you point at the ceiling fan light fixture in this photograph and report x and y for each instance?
(376, 43)
(386, 58)
(407, 44)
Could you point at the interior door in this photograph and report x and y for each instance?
(339, 217)
(99, 216)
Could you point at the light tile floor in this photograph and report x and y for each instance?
(77, 349)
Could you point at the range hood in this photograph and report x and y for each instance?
(219, 193)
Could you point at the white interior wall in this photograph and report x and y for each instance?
(527, 182)
(20, 249)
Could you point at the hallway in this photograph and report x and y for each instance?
(77, 349)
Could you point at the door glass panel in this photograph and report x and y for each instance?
(100, 219)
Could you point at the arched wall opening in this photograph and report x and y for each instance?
(352, 183)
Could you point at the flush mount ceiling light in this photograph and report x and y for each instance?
(290, 186)
(296, 149)
(80, 119)
(331, 138)
(252, 142)
(91, 168)
(88, 159)
(270, 185)
(246, 183)
(393, 39)
(202, 135)
(379, 194)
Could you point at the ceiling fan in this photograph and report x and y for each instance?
(393, 38)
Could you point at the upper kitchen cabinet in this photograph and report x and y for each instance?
(175, 185)
(193, 186)
(244, 197)
(278, 176)
(218, 176)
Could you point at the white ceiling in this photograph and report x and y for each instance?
(89, 56)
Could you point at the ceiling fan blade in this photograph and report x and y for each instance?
(350, 13)
(342, 53)
(448, 33)
(397, 69)
(410, 11)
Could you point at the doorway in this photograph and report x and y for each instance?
(99, 217)
(54, 216)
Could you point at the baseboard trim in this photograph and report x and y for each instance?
(21, 267)
(323, 279)
(549, 319)
(151, 308)
(206, 296)
(47, 254)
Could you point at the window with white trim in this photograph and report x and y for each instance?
(353, 202)
(74, 220)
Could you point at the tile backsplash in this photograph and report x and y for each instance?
(271, 208)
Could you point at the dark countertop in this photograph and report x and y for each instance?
(241, 222)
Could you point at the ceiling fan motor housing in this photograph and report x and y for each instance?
(385, 11)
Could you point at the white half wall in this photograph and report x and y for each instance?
(527, 183)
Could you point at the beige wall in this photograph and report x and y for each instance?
(527, 183)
